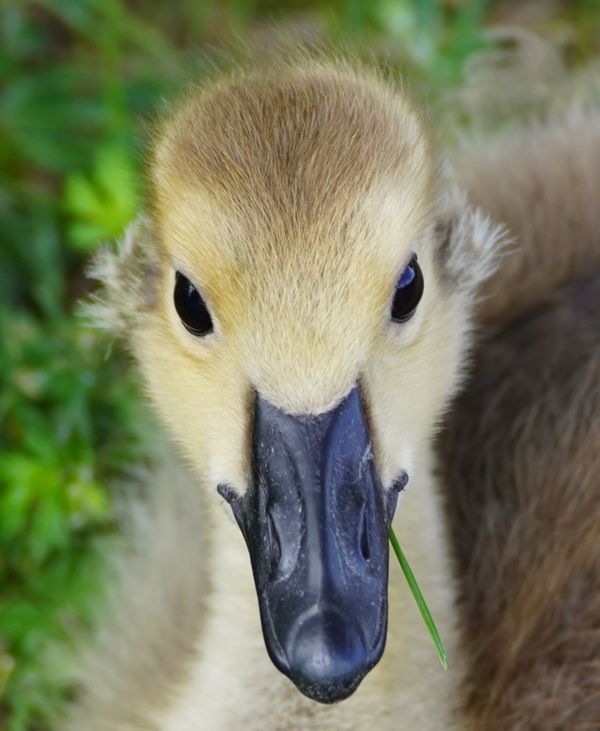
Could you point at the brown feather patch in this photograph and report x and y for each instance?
(522, 465)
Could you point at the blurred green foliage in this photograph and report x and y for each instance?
(79, 80)
(75, 79)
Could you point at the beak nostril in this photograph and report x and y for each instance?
(364, 535)
(274, 545)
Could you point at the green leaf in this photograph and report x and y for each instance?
(420, 599)
(101, 204)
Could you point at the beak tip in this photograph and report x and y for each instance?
(330, 693)
(328, 657)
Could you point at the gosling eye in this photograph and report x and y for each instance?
(191, 308)
(409, 291)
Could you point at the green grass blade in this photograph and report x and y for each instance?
(420, 599)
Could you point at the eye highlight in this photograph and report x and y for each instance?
(191, 308)
(408, 293)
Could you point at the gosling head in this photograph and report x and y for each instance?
(299, 305)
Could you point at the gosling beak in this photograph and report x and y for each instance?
(315, 520)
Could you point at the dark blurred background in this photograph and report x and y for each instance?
(80, 84)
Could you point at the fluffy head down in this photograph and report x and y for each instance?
(293, 199)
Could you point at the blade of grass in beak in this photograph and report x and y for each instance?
(420, 599)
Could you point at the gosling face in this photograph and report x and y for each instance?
(301, 339)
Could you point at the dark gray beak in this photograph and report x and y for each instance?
(316, 522)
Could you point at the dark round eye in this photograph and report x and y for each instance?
(191, 308)
(409, 291)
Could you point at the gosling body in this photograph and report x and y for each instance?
(294, 197)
